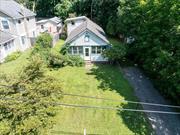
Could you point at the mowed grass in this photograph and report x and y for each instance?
(104, 81)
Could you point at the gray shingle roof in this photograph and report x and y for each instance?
(88, 25)
(5, 37)
(14, 10)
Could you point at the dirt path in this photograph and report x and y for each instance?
(163, 124)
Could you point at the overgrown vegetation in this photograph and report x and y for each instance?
(26, 103)
(13, 56)
(43, 46)
(155, 26)
(116, 52)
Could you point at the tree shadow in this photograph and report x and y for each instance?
(112, 79)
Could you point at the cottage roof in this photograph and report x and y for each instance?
(87, 25)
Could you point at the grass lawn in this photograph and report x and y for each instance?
(101, 81)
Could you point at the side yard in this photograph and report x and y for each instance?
(105, 81)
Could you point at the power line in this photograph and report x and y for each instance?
(94, 107)
(114, 100)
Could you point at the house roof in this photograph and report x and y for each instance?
(14, 10)
(5, 37)
(76, 18)
(87, 25)
(55, 20)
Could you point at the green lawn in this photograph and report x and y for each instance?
(101, 81)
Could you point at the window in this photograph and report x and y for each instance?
(42, 26)
(76, 50)
(93, 50)
(23, 39)
(86, 38)
(97, 49)
(34, 34)
(19, 21)
(72, 23)
(5, 24)
(6, 46)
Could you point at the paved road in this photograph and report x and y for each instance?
(163, 124)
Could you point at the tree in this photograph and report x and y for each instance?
(63, 9)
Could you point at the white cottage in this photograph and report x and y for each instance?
(86, 39)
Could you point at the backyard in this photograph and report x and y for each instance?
(103, 81)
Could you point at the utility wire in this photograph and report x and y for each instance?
(114, 100)
(93, 107)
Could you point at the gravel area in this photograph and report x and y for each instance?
(163, 124)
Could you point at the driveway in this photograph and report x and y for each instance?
(163, 124)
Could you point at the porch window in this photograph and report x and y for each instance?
(97, 49)
(94, 50)
(77, 50)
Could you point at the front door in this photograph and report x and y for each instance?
(87, 53)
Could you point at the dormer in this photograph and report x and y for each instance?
(73, 23)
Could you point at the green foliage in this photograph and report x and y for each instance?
(63, 9)
(13, 56)
(116, 52)
(154, 24)
(57, 60)
(29, 109)
(42, 46)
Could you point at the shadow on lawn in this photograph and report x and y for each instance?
(111, 78)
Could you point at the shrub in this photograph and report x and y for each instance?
(116, 52)
(42, 46)
(13, 56)
(57, 60)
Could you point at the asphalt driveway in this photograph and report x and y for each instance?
(163, 124)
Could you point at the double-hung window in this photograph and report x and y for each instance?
(5, 24)
(23, 39)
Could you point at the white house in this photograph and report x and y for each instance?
(53, 26)
(7, 45)
(19, 22)
(86, 39)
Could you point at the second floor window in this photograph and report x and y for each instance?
(5, 24)
(23, 40)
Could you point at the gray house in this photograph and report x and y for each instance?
(18, 22)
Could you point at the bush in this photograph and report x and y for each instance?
(42, 46)
(13, 56)
(57, 60)
(116, 52)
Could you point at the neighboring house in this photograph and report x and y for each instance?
(19, 22)
(6, 45)
(86, 39)
(53, 26)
